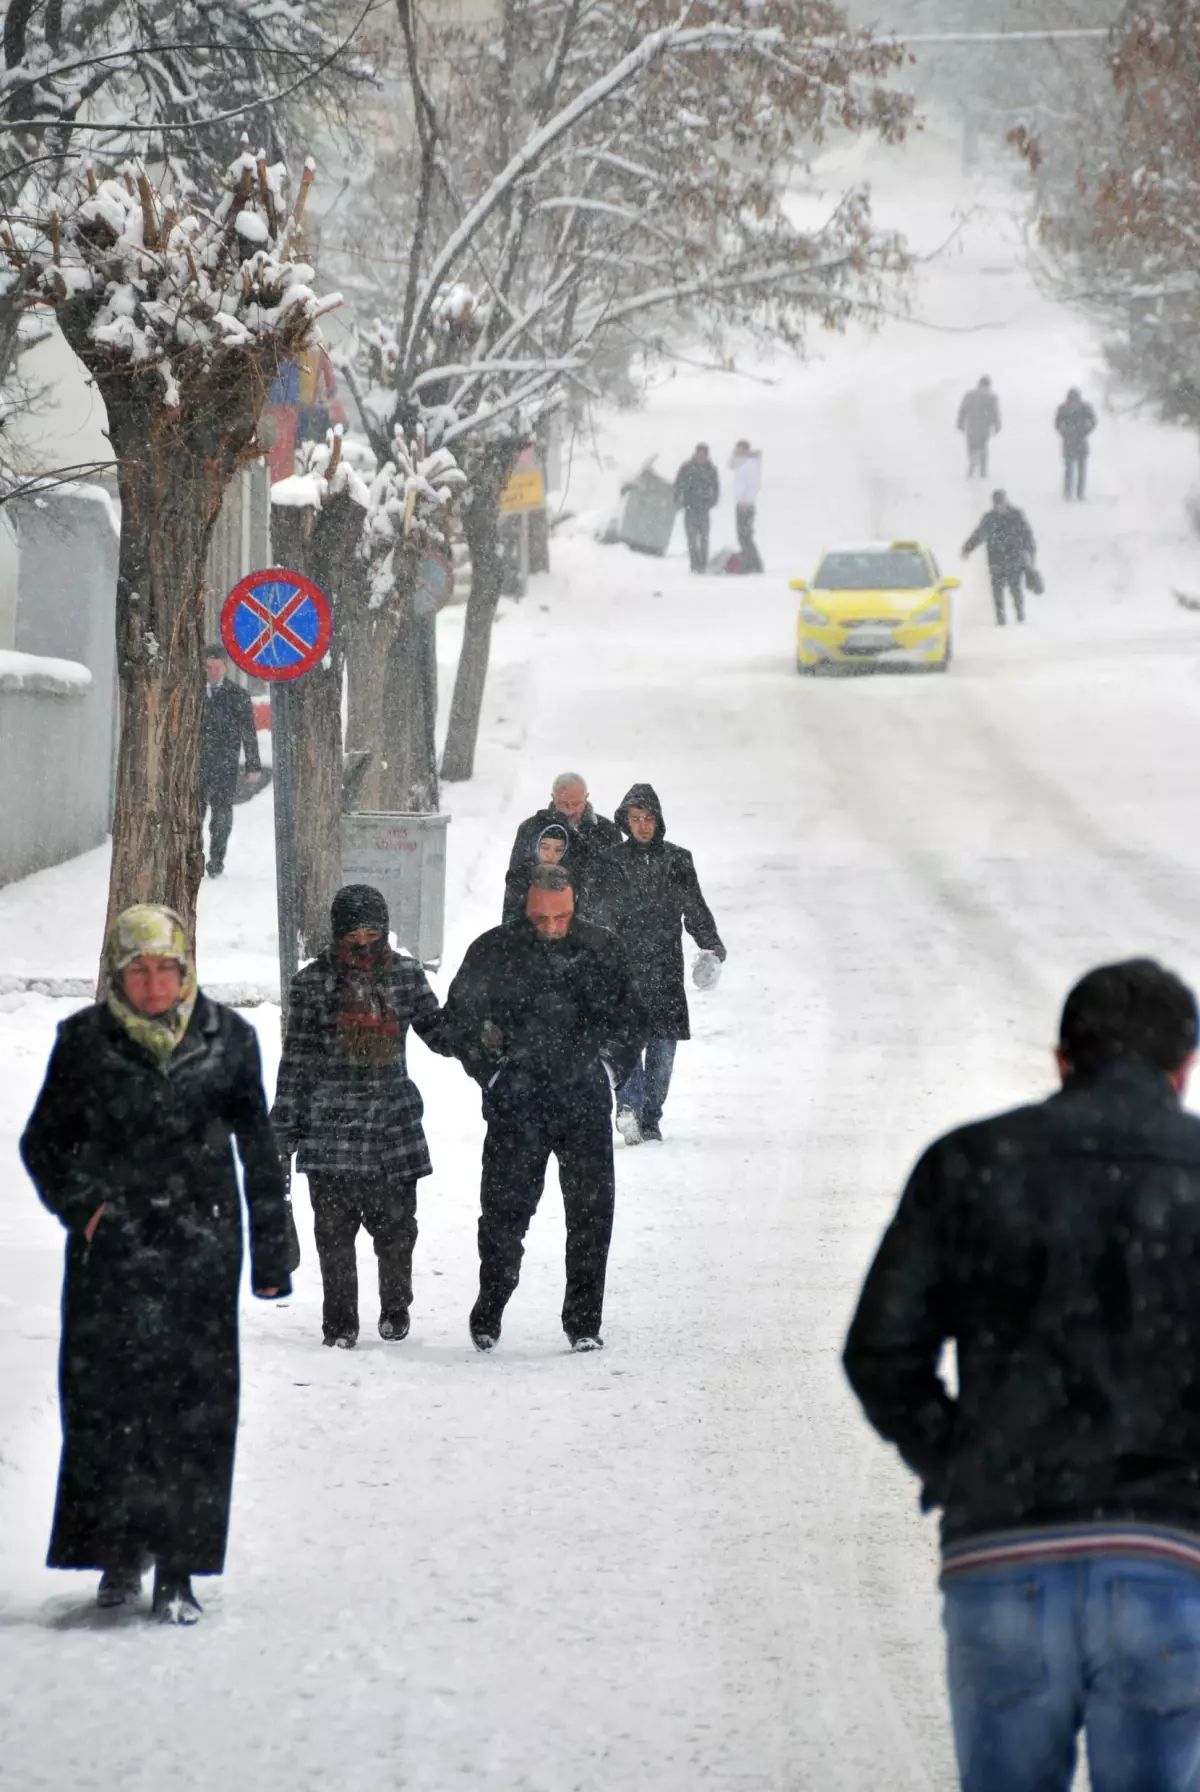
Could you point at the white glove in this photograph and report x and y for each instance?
(706, 971)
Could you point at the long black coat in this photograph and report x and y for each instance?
(657, 892)
(226, 731)
(346, 1119)
(148, 1371)
(1059, 1246)
(563, 1008)
(1074, 420)
(591, 845)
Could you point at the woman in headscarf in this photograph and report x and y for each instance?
(345, 1103)
(129, 1145)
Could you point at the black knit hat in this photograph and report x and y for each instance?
(355, 906)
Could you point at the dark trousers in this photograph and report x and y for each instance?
(388, 1210)
(520, 1142)
(695, 525)
(216, 794)
(977, 459)
(749, 559)
(1075, 474)
(645, 1088)
(1008, 581)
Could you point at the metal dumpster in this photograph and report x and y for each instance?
(648, 513)
(404, 857)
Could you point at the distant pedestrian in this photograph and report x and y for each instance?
(658, 892)
(346, 1105)
(697, 492)
(538, 1010)
(226, 732)
(591, 840)
(1056, 1248)
(129, 1145)
(1011, 551)
(979, 421)
(1075, 421)
(746, 466)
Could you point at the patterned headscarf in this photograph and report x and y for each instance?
(154, 932)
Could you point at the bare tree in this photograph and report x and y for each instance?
(182, 316)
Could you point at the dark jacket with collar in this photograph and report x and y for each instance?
(1059, 1247)
(656, 893)
(347, 1119)
(149, 1365)
(226, 730)
(697, 485)
(1009, 539)
(592, 841)
(563, 1009)
(1075, 420)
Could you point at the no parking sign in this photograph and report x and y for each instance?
(276, 624)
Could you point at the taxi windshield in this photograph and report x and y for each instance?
(873, 569)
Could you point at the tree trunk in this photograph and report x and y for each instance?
(481, 528)
(376, 635)
(322, 546)
(410, 782)
(170, 496)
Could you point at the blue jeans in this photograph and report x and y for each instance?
(1109, 1645)
(645, 1088)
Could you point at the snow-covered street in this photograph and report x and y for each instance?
(685, 1561)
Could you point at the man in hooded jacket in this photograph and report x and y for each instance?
(656, 890)
(591, 840)
(540, 1007)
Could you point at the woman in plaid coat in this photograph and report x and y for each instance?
(345, 1104)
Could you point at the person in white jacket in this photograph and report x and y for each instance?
(746, 466)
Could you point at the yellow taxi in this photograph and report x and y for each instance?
(874, 603)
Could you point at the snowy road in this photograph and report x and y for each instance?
(684, 1562)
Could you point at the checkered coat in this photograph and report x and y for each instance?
(343, 1118)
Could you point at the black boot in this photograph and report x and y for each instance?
(174, 1601)
(119, 1585)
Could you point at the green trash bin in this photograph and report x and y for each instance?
(648, 513)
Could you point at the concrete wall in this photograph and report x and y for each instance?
(57, 738)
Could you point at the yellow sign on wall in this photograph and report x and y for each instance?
(526, 490)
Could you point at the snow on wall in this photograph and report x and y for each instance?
(39, 672)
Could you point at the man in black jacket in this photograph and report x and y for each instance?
(591, 841)
(656, 890)
(538, 1010)
(1075, 420)
(697, 491)
(1010, 550)
(1058, 1247)
(227, 729)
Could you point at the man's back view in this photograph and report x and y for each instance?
(1058, 1246)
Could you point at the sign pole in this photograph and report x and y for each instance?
(283, 784)
(277, 625)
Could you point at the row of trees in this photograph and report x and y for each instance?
(573, 174)
(1119, 201)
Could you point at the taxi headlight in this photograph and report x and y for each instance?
(931, 613)
(810, 613)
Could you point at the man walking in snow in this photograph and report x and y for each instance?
(1058, 1247)
(656, 892)
(1011, 550)
(541, 1014)
(697, 490)
(979, 421)
(591, 841)
(1075, 420)
(746, 466)
(226, 731)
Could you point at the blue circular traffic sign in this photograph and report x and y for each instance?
(276, 624)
